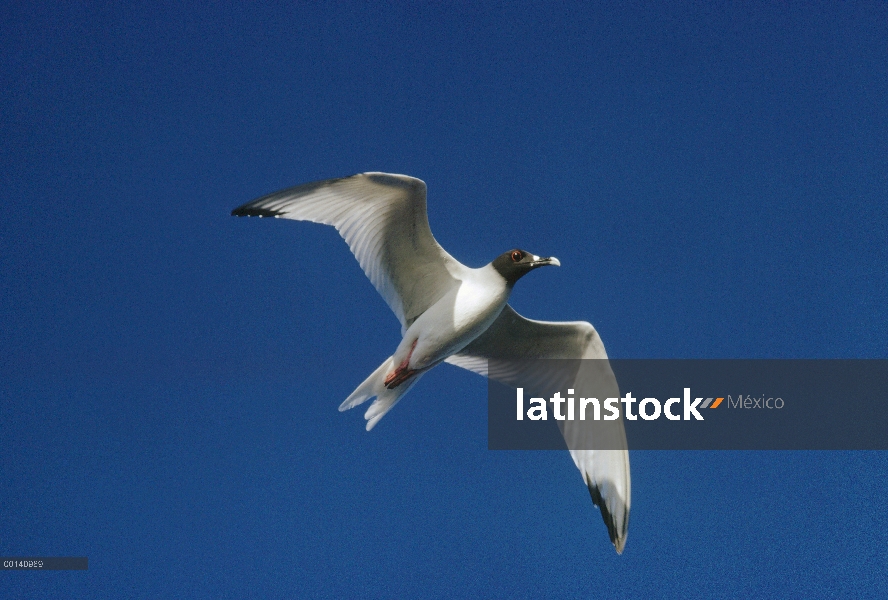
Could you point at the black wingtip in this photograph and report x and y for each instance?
(247, 211)
(617, 534)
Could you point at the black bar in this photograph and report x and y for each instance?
(44, 563)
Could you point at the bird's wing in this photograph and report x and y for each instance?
(513, 338)
(383, 219)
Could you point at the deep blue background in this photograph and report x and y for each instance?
(714, 181)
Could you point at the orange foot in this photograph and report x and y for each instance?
(402, 373)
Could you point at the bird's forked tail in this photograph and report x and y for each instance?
(374, 386)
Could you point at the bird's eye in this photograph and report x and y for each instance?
(517, 255)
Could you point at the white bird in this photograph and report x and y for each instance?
(452, 313)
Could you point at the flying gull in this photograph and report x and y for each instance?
(448, 311)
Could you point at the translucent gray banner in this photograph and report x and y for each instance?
(688, 404)
(45, 563)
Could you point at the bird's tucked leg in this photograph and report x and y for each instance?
(402, 372)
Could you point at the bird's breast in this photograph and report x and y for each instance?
(477, 305)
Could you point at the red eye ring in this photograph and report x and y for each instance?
(517, 255)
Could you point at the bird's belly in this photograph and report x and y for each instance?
(451, 324)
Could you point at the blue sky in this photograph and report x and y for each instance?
(714, 180)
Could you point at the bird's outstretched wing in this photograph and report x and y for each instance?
(502, 353)
(383, 219)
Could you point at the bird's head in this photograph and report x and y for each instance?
(514, 264)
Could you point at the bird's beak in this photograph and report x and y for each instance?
(550, 261)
